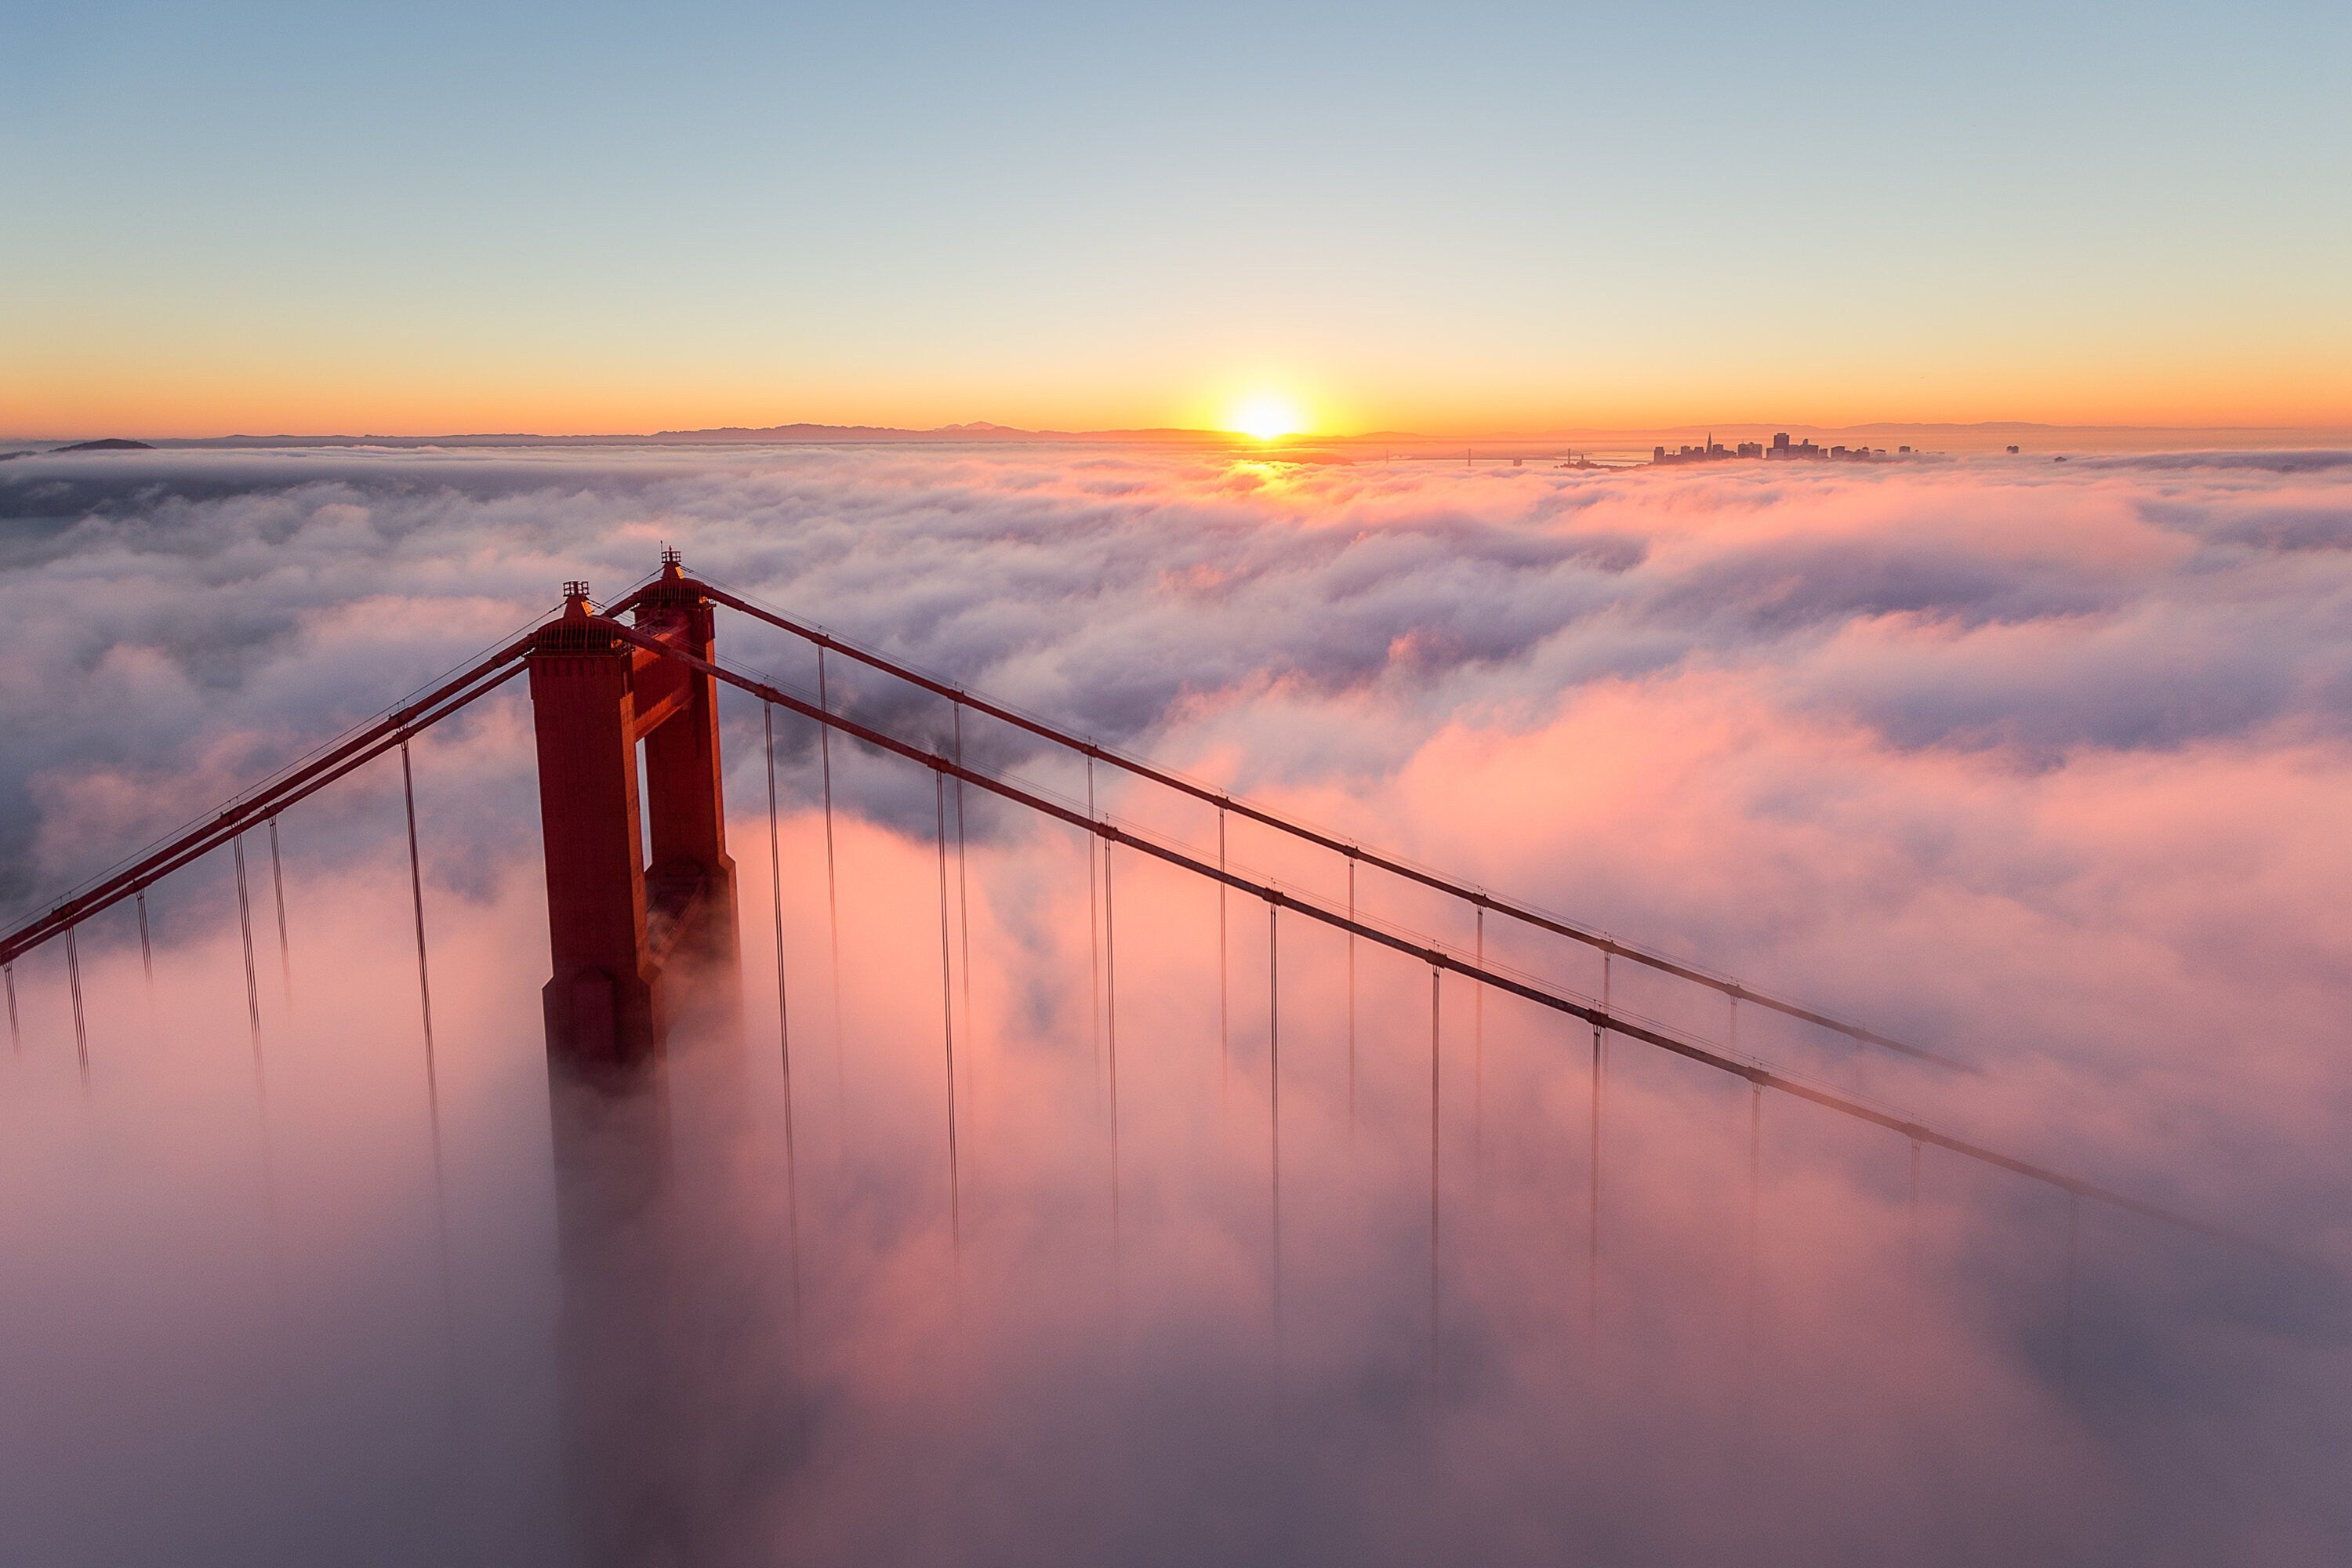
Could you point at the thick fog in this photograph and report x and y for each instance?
(2039, 767)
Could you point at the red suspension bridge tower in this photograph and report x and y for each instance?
(620, 919)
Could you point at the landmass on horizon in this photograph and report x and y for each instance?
(1988, 436)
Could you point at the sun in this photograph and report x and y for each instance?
(1268, 417)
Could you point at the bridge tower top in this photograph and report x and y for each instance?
(617, 917)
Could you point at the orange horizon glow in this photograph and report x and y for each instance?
(94, 398)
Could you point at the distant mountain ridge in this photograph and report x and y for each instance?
(976, 430)
(1986, 436)
(798, 434)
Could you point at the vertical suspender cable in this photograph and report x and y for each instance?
(1352, 994)
(146, 949)
(245, 930)
(277, 888)
(1592, 1220)
(1274, 1086)
(946, 1025)
(1479, 1057)
(424, 972)
(832, 898)
(73, 984)
(784, 1016)
(776, 904)
(1755, 1206)
(253, 1017)
(15, 1030)
(1093, 936)
(146, 959)
(1436, 1103)
(425, 1010)
(1224, 988)
(1754, 1142)
(1911, 1218)
(260, 1086)
(963, 937)
(1110, 1019)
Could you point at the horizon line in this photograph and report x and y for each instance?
(810, 432)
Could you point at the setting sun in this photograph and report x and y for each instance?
(1269, 417)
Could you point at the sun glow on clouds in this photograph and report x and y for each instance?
(1268, 417)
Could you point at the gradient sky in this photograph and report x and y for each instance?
(434, 218)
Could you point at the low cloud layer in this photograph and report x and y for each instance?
(2041, 767)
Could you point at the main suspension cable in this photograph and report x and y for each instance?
(1598, 1016)
(1524, 914)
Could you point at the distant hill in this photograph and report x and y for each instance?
(978, 430)
(1532, 445)
(736, 435)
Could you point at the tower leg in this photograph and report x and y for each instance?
(604, 1000)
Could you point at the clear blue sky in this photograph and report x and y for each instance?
(431, 216)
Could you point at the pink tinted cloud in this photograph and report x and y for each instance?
(2038, 768)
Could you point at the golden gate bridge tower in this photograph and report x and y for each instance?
(639, 883)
